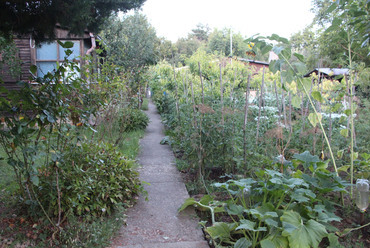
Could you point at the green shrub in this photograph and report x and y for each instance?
(132, 119)
(93, 178)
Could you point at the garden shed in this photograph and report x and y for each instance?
(46, 55)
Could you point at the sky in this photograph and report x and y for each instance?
(174, 19)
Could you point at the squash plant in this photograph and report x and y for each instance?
(274, 209)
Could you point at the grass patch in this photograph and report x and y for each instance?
(94, 233)
(145, 105)
(129, 146)
(127, 143)
(8, 184)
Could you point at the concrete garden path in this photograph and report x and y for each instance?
(156, 223)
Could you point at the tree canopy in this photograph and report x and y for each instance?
(131, 42)
(219, 42)
(325, 41)
(40, 17)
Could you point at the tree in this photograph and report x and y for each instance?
(39, 18)
(305, 42)
(219, 42)
(201, 32)
(349, 22)
(167, 50)
(131, 42)
(186, 47)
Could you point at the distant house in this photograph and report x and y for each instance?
(329, 73)
(47, 54)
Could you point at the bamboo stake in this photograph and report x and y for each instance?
(260, 105)
(233, 86)
(354, 128)
(283, 99)
(193, 102)
(263, 93)
(306, 112)
(176, 94)
(201, 81)
(348, 100)
(330, 127)
(185, 88)
(277, 100)
(290, 113)
(222, 98)
(246, 120)
(233, 116)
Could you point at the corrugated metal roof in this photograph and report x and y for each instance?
(331, 72)
(253, 61)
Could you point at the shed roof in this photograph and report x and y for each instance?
(253, 61)
(330, 72)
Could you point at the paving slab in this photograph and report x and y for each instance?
(155, 223)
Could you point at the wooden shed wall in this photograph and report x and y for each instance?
(24, 54)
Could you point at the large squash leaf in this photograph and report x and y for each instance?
(249, 226)
(243, 243)
(221, 231)
(300, 234)
(275, 241)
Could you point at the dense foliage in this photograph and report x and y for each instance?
(259, 130)
(131, 42)
(65, 168)
(94, 178)
(23, 17)
(274, 154)
(324, 46)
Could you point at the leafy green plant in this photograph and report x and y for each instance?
(36, 125)
(93, 179)
(9, 51)
(42, 129)
(275, 209)
(131, 119)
